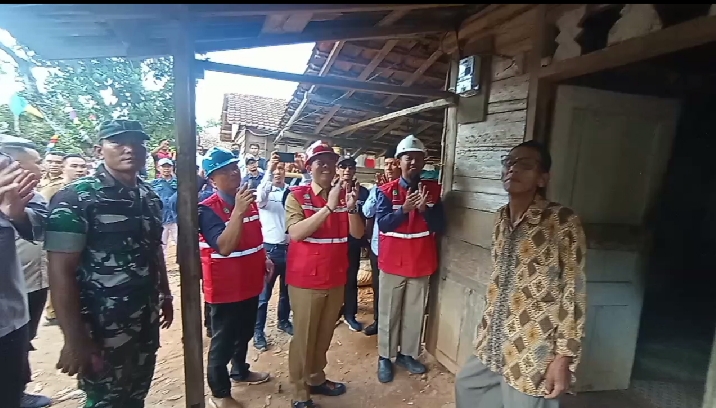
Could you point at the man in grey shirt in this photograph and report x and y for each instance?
(21, 211)
(30, 253)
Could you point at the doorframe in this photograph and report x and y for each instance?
(545, 79)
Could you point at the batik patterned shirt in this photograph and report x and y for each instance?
(536, 299)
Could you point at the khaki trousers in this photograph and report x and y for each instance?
(401, 307)
(476, 386)
(314, 319)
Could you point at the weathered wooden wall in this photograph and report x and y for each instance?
(476, 193)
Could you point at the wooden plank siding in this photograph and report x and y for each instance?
(476, 192)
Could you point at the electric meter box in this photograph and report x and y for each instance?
(468, 79)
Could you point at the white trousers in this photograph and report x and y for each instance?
(170, 233)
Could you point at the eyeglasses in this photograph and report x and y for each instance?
(520, 163)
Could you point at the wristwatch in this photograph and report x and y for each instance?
(353, 211)
(163, 297)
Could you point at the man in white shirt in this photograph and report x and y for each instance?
(271, 194)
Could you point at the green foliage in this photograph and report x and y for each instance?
(139, 90)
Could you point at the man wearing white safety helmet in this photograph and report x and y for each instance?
(409, 215)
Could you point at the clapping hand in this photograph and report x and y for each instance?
(244, 198)
(423, 198)
(334, 196)
(411, 201)
(351, 196)
(16, 190)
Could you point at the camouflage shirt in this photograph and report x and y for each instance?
(118, 231)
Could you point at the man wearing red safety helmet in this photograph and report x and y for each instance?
(319, 218)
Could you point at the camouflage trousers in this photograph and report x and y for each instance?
(129, 369)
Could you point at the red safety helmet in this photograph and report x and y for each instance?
(318, 147)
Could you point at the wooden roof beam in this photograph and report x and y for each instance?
(332, 57)
(98, 12)
(681, 36)
(368, 69)
(318, 35)
(439, 104)
(414, 77)
(322, 81)
(360, 106)
(287, 134)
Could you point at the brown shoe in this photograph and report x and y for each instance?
(253, 378)
(228, 402)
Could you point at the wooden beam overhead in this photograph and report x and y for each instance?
(353, 144)
(323, 81)
(318, 35)
(100, 12)
(439, 104)
(681, 36)
(210, 10)
(372, 65)
(365, 107)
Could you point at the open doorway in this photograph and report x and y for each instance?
(674, 286)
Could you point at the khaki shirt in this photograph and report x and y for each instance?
(294, 211)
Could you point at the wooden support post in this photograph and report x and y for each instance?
(535, 103)
(188, 220)
(439, 104)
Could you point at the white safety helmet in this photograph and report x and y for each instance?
(409, 144)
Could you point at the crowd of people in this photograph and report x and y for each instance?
(106, 231)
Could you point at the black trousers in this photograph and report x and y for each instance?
(207, 316)
(232, 326)
(13, 354)
(375, 281)
(36, 303)
(350, 302)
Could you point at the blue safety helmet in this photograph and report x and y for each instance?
(217, 158)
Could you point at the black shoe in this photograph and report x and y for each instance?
(304, 404)
(329, 389)
(260, 341)
(412, 365)
(50, 322)
(353, 324)
(385, 370)
(371, 330)
(209, 334)
(286, 327)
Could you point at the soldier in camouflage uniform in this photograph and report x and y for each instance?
(107, 273)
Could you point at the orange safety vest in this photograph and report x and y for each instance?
(411, 250)
(240, 275)
(321, 260)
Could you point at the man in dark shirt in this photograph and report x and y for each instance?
(253, 174)
(346, 173)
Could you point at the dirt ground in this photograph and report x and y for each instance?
(351, 359)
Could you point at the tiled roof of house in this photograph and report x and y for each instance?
(253, 111)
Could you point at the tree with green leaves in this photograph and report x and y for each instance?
(79, 94)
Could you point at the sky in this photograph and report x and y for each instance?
(210, 90)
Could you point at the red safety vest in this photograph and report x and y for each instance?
(321, 260)
(410, 250)
(240, 275)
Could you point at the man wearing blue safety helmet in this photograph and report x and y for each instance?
(234, 267)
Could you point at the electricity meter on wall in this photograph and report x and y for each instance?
(468, 79)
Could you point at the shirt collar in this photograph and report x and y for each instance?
(533, 215)
(108, 180)
(317, 190)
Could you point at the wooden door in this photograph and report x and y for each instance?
(610, 152)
